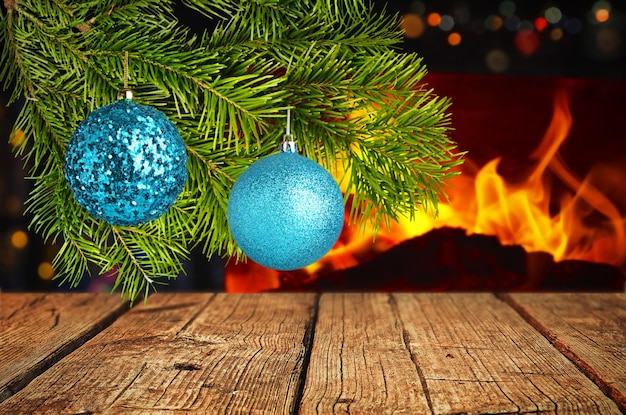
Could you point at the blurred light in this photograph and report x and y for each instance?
(493, 22)
(433, 19)
(527, 41)
(556, 34)
(13, 205)
(506, 8)
(45, 271)
(19, 239)
(601, 4)
(412, 25)
(573, 26)
(608, 41)
(497, 61)
(553, 14)
(454, 39)
(512, 23)
(417, 7)
(461, 13)
(602, 15)
(446, 23)
(17, 139)
(541, 23)
(526, 25)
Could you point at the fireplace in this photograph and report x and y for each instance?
(539, 204)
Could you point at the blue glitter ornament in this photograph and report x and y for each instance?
(285, 211)
(126, 163)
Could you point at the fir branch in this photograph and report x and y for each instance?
(357, 103)
(222, 9)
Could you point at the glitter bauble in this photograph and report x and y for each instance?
(126, 163)
(285, 211)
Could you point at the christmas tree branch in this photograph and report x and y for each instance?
(357, 102)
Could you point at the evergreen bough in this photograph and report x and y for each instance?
(357, 103)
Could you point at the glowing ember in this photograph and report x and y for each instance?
(548, 209)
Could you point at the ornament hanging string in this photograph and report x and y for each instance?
(288, 145)
(125, 93)
(125, 69)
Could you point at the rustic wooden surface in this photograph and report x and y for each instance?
(39, 329)
(589, 329)
(357, 353)
(359, 360)
(477, 355)
(192, 353)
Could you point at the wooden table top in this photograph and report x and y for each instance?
(283, 353)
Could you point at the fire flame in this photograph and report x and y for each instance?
(581, 221)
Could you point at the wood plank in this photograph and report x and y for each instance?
(477, 355)
(40, 329)
(359, 363)
(184, 354)
(588, 328)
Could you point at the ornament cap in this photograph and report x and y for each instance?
(288, 146)
(126, 94)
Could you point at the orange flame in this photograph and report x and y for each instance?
(584, 223)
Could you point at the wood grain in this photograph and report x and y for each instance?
(477, 355)
(282, 353)
(359, 363)
(184, 353)
(590, 329)
(37, 330)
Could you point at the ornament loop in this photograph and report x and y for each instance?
(288, 145)
(125, 93)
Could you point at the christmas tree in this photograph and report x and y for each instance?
(358, 105)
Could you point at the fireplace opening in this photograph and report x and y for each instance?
(539, 204)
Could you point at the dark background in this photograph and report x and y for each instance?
(585, 48)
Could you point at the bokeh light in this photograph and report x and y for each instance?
(608, 41)
(454, 39)
(506, 8)
(527, 41)
(412, 25)
(553, 14)
(18, 139)
(573, 26)
(461, 13)
(446, 23)
(19, 239)
(433, 19)
(601, 5)
(526, 25)
(417, 7)
(45, 271)
(494, 22)
(513, 23)
(540, 23)
(13, 205)
(556, 34)
(497, 61)
(602, 15)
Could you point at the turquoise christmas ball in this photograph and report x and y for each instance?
(285, 211)
(126, 163)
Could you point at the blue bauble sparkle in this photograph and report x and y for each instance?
(285, 211)
(126, 163)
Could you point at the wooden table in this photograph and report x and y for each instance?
(357, 353)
